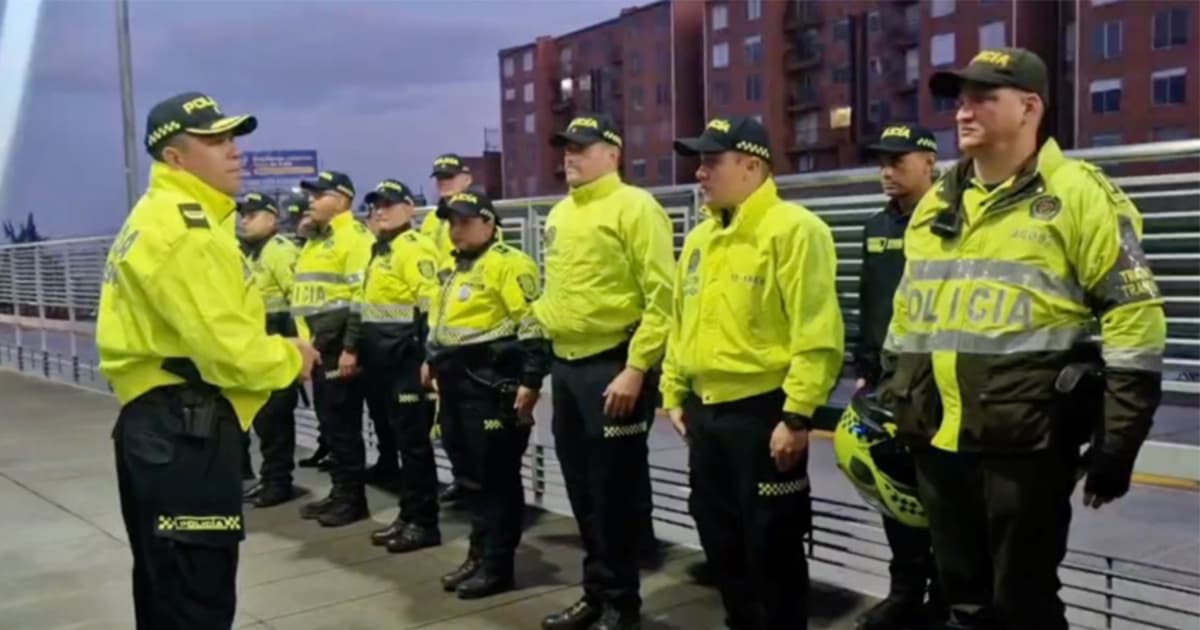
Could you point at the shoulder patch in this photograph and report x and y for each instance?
(410, 236)
(501, 248)
(426, 267)
(528, 285)
(193, 215)
(1116, 196)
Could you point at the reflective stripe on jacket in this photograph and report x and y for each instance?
(328, 282)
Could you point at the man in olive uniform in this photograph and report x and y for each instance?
(181, 341)
(1012, 257)
(755, 347)
(906, 154)
(273, 262)
(401, 282)
(489, 357)
(609, 258)
(328, 282)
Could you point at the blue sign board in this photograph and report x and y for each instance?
(279, 164)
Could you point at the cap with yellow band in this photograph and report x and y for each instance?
(192, 113)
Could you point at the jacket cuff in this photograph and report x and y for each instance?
(672, 399)
(800, 408)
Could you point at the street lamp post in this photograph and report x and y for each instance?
(126, 69)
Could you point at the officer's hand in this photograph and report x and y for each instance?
(426, 376)
(1108, 478)
(347, 364)
(787, 446)
(678, 421)
(860, 388)
(622, 393)
(527, 398)
(308, 357)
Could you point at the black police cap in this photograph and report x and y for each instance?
(735, 133)
(193, 113)
(330, 181)
(391, 191)
(449, 165)
(898, 139)
(254, 202)
(588, 129)
(468, 204)
(998, 67)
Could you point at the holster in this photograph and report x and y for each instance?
(1081, 387)
(198, 400)
(504, 390)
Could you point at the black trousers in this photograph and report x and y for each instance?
(605, 465)
(179, 477)
(457, 451)
(408, 414)
(339, 404)
(482, 421)
(999, 526)
(750, 516)
(275, 426)
(378, 396)
(912, 570)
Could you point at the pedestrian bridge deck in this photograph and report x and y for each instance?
(64, 561)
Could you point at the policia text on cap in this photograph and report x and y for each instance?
(181, 339)
(1012, 257)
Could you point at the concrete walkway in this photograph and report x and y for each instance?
(64, 562)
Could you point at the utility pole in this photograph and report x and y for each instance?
(126, 68)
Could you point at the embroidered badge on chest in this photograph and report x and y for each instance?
(1045, 207)
(464, 293)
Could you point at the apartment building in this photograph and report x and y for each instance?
(642, 67)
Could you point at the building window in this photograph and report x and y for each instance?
(585, 83)
(1169, 86)
(1106, 40)
(876, 65)
(947, 142)
(639, 169)
(879, 112)
(720, 17)
(720, 91)
(940, 8)
(527, 61)
(664, 169)
(753, 9)
(841, 30)
(941, 50)
(1106, 140)
(661, 95)
(530, 120)
(564, 60)
(993, 35)
(805, 163)
(753, 88)
(635, 98)
(1162, 134)
(510, 94)
(754, 50)
(510, 126)
(1106, 96)
(662, 58)
(941, 104)
(720, 55)
(1170, 27)
(510, 67)
(805, 128)
(529, 92)
(841, 73)
(566, 88)
(637, 135)
(912, 65)
(874, 22)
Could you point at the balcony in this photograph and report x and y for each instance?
(803, 14)
(804, 55)
(802, 99)
(811, 143)
(903, 33)
(900, 81)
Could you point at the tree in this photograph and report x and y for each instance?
(26, 233)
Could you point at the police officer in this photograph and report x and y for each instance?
(181, 341)
(755, 347)
(906, 155)
(385, 471)
(329, 278)
(451, 176)
(490, 358)
(1012, 257)
(401, 282)
(273, 262)
(609, 258)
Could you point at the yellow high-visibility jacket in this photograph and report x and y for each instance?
(401, 284)
(328, 281)
(176, 286)
(756, 307)
(438, 231)
(984, 322)
(273, 264)
(609, 260)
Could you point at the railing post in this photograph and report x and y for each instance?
(1108, 597)
(539, 475)
(16, 302)
(20, 356)
(70, 298)
(38, 292)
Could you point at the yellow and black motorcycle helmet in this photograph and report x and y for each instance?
(875, 462)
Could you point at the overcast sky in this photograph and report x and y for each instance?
(378, 88)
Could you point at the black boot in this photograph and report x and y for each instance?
(381, 536)
(485, 583)
(414, 537)
(346, 508)
(893, 613)
(579, 616)
(383, 475)
(250, 490)
(451, 493)
(272, 495)
(310, 511)
(614, 619)
(313, 460)
(464, 572)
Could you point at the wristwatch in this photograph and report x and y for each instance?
(797, 422)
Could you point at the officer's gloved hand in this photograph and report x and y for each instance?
(1108, 477)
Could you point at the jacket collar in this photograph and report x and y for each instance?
(596, 189)
(253, 249)
(217, 205)
(383, 241)
(1047, 160)
(759, 201)
(342, 219)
